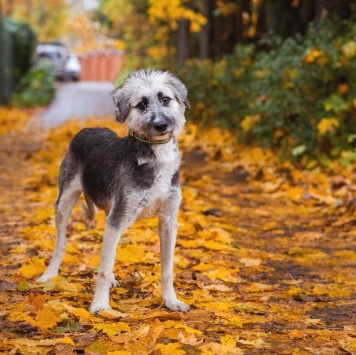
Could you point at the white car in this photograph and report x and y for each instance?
(73, 68)
(54, 53)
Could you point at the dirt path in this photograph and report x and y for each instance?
(264, 272)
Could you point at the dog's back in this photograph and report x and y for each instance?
(89, 139)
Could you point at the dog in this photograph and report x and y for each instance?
(129, 178)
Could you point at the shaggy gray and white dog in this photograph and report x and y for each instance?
(129, 178)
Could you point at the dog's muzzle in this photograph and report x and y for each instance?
(152, 139)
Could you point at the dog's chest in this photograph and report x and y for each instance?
(166, 167)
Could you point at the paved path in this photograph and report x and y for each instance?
(79, 100)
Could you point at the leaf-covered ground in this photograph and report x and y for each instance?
(265, 256)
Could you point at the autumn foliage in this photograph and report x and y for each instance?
(297, 95)
(264, 256)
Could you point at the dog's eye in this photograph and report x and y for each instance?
(142, 105)
(166, 100)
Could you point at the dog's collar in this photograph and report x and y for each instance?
(152, 139)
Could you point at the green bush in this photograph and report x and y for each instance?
(22, 45)
(298, 95)
(36, 88)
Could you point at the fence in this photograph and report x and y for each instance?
(101, 66)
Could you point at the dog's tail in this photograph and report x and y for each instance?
(89, 212)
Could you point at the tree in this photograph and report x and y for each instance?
(47, 18)
(168, 32)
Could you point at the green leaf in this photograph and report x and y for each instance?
(299, 150)
(23, 286)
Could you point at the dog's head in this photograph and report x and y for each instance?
(153, 102)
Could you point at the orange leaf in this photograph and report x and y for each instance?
(46, 318)
(35, 303)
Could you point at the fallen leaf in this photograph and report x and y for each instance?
(112, 328)
(32, 268)
(169, 349)
(46, 318)
(35, 303)
(250, 262)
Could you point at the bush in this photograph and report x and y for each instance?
(36, 88)
(22, 43)
(299, 95)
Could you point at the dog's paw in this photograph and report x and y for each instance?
(177, 306)
(113, 281)
(45, 277)
(99, 306)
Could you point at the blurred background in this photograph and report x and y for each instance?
(281, 73)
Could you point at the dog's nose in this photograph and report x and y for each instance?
(160, 126)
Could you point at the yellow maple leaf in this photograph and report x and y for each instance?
(187, 329)
(222, 274)
(112, 329)
(82, 313)
(46, 318)
(28, 271)
(18, 315)
(34, 267)
(170, 349)
(65, 340)
(204, 267)
(219, 349)
(220, 306)
(228, 339)
(133, 253)
(71, 259)
(327, 125)
(257, 343)
(237, 321)
(211, 244)
(112, 313)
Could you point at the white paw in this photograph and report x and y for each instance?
(98, 306)
(177, 306)
(45, 277)
(113, 281)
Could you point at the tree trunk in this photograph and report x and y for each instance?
(204, 38)
(322, 9)
(183, 34)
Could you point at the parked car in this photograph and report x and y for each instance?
(54, 53)
(73, 68)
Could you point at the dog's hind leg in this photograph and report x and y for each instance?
(118, 221)
(89, 212)
(66, 200)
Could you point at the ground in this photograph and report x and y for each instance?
(265, 256)
(79, 100)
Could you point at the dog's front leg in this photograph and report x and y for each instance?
(168, 234)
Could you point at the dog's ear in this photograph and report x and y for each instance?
(121, 103)
(180, 91)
